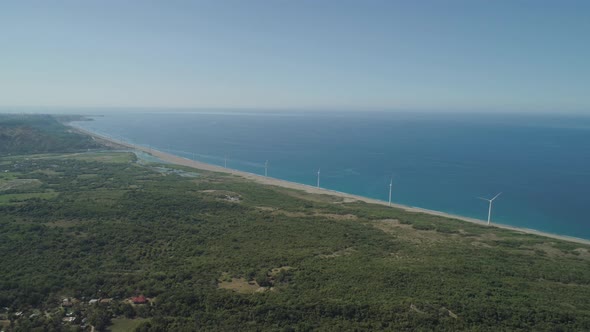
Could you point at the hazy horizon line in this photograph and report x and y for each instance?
(368, 109)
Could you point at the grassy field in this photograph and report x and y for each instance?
(101, 156)
(106, 157)
(6, 199)
(125, 324)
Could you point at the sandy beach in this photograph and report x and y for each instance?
(310, 189)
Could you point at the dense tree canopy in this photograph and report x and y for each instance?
(26, 134)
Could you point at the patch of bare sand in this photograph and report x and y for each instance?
(4, 323)
(549, 250)
(240, 285)
(277, 270)
(224, 195)
(449, 312)
(583, 253)
(408, 233)
(63, 223)
(17, 183)
(291, 214)
(339, 253)
(414, 308)
(480, 244)
(346, 200)
(489, 237)
(337, 216)
(266, 208)
(48, 172)
(316, 196)
(484, 240)
(333, 216)
(429, 310)
(394, 223)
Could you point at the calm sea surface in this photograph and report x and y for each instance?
(437, 161)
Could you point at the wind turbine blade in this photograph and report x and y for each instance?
(485, 199)
(496, 196)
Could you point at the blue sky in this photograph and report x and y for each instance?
(324, 54)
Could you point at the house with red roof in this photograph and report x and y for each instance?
(139, 300)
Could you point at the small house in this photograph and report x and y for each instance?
(139, 300)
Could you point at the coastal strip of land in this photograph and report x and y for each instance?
(310, 189)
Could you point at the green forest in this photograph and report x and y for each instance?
(26, 134)
(86, 232)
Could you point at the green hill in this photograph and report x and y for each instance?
(26, 134)
(216, 252)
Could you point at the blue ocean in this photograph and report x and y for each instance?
(438, 161)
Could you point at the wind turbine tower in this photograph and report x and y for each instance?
(490, 208)
(266, 168)
(318, 178)
(225, 162)
(390, 186)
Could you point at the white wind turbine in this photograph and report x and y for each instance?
(318, 178)
(266, 168)
(390, 186)
(490, 209)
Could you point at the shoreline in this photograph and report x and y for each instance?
(168, 157)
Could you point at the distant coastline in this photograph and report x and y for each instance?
(174, 159)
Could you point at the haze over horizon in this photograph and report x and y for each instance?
(527, 56)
